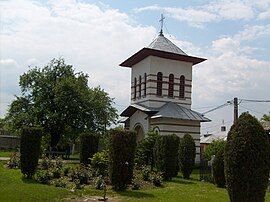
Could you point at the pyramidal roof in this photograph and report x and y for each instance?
(164, 48)
(168, 110)
(163, 44)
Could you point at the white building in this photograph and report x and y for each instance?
(161, 83)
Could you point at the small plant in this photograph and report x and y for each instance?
(146, 173)
(60, 183)
(83, 174)
(78, 184)
(98, 182)
(66, 170)
(43, 176)
(56, 172)
(45, 163)
(99, 163)
(156, 178)
(58, 163)
(14, 161)
(135, 184)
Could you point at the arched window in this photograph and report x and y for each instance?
(135, 87)
(182, 87)
(159, 83)
(144, 90)
(171, 85)
(140, 86)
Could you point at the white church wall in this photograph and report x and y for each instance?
(138, 70)
(139, 118)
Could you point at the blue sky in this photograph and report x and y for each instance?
(95, 36)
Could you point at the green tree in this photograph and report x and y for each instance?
(213, 148)
(247, 160)
(59, 100)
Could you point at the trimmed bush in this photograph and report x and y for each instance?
(218, 169)
(144, 153)
(166, 155)
(187, 154)
(122, 148)
(247, 160)
(30, 150)
(88, 147)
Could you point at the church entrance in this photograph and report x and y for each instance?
(140, 134)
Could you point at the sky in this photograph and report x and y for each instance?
(96, 36)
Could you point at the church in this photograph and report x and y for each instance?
(161, 89)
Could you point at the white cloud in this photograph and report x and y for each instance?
(230, 71)
(94, 40)
(264, 15)
(215, 11)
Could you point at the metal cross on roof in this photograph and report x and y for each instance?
(161, 24)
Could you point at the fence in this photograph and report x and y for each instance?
(9, 141)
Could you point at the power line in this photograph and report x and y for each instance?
(247, 100)
(218, 107)
(251, 110)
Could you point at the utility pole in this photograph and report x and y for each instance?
(235, 108)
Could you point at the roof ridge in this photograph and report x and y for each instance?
(164, 44)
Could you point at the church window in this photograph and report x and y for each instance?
(144, 90)
(135, 87)
(159, 83)
(140, 86)
(182, 87)
(171, 85)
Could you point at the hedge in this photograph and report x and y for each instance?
(88, 147)
(166, 155)
(30, 150)
(122, 148)
(247, 160)
(187, 154)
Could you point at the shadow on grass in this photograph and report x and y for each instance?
(135, 194)
(29, 181)
(179, 180)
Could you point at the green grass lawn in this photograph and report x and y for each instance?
(14, 188)
(5, 153)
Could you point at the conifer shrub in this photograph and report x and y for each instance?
(166, 155)
(187, 154)
(30, 150)
(144, 153)
(122, 148)
(88, 147)
(218, 169)
(247, 160)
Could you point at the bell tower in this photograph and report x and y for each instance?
(161, 83)
(160, 73)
